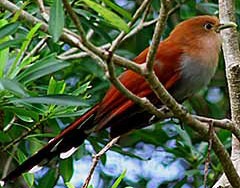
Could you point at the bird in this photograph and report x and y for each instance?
(185, 62)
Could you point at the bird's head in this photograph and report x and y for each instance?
(199, 28)
(203, 24)
(199, 35)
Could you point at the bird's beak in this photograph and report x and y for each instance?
(225, 26)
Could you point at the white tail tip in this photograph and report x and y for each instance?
(50, 140)
(2, 183)
(68, 153)
(35, 169)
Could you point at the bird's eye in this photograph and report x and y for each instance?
(208, 26)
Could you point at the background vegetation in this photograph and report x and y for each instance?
(42, 90)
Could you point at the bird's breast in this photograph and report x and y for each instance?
(194, 75)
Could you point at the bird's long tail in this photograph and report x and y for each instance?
(64, 144)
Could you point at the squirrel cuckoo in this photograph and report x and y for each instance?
(185, 62)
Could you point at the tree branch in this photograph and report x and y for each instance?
(18, 139)
(43, 10)
(232, 61)
(96, 158)
(71, 37)
(163, 15)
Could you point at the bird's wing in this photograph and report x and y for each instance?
(115, 103)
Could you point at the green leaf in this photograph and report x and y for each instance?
(51, 86)
(4, 53)
(12, 86)
(9, 29)
(77, 113)
(21, 156)
(25, 118)
(97, 29)
(187, 11)
(181, 183)
(209, 8)
(22, 112)
(56, 21)
(13, 69)
(8, 119)
(97, 148)
(28, 177)
(69, 185)
(4, 137)
(18, 13)
(82, 89)
(113, 18)
(49, 179)
(41, 68)
(11, 43)
(65, 100)
(56, 87)
(184, 135)
(118, 9)
(130, 154)
(34, 144)
(118, 181)
(192, 173)
(43, 135)
(66, 168)
(26, 61)
(81, 152)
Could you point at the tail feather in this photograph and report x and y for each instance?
(71, 137)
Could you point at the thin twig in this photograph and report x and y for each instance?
(207, 162)
(163, 15)
(76, 21)
(90, 34)
(10, 124)
(9, 160)
(65, 55)
(43, 10)
(72, 38)
(74, 56)
(121, 37)
(221, 123)
(18, 139)
(40, 44)
(178, 6)
(137, 14)
(173, 10)
(96, 158)
(69, 53)
(83, 35)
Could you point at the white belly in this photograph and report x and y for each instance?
(194, 76)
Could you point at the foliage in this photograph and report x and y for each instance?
(39, 88)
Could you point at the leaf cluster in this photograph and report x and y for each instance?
(41, 93)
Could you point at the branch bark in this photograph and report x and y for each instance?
(232, 61)
(96, 158)
(71, 38)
